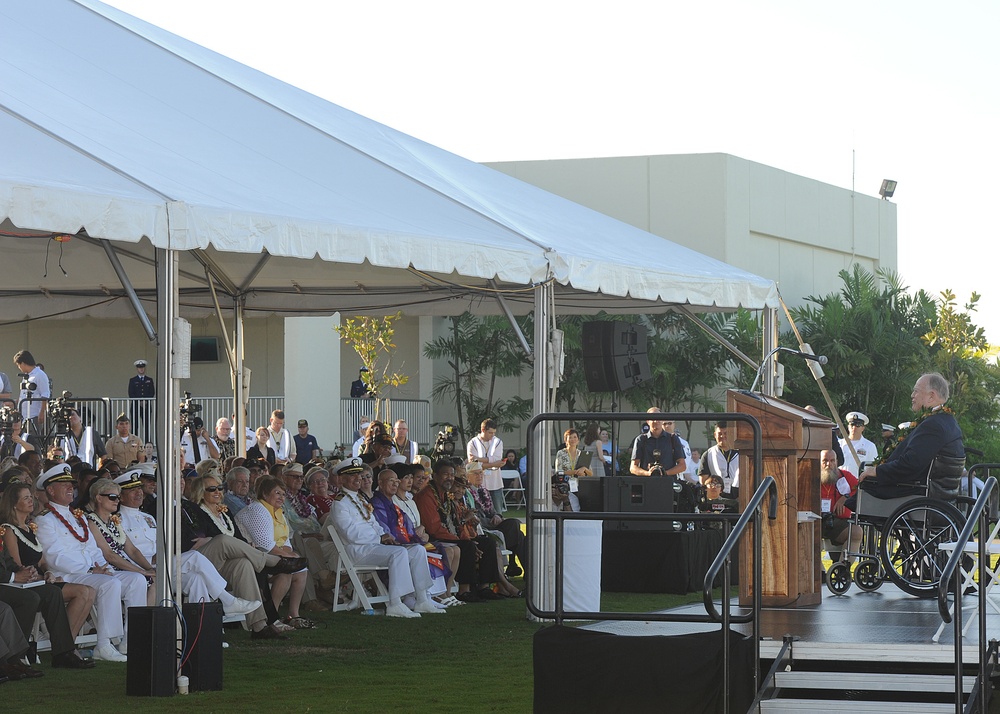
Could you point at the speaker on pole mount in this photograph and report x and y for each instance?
(614, 355)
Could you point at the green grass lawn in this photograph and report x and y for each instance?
(474, 658)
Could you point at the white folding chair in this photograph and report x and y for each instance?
(516, 486)
(345, 566)
(968, 573)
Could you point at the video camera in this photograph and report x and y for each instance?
(9, 416)
(444, 445)
(59, 411)
(189, 409)
(27, 385)
(192, 423)
(656, 465)
(560, 482)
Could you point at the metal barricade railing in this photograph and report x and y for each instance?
(978, 516)
(750, 518)
(416, 413)
(102, 413)
(142, 412)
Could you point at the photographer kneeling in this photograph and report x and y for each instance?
(562, 498)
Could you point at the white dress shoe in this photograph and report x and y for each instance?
(428, 608)
(400, 610)
(108, 653)
(239, 606)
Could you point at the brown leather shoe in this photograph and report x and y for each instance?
(16, 671)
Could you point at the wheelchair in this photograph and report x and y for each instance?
(900, 536)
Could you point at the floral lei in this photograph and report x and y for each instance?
(366, 511)
(110, 529)
(221, 517)
(78, 514)
(32, 527)
(905, 432)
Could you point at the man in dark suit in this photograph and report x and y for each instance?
(141, 387)
(359, 389)
(936, 434)
(46, 599)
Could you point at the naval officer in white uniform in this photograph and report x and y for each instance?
(71, 553)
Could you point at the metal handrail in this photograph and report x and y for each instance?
(721, 562)
(978, 515)
(753, 506)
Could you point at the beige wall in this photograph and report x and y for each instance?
(792, 229)
(92, 357)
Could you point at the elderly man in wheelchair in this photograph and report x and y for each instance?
(909, 500)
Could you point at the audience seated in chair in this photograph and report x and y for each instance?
(73, 554)
(64, 608)
(200, 581)
(369, 543)
(264, 523)
(207, 527)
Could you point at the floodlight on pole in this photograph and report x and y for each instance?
(888, 188)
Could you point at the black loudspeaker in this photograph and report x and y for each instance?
(591, 494)
(614, 355)
(152, 650)
(639, 494)
(203, 667)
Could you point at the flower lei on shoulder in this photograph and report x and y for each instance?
(904, 432)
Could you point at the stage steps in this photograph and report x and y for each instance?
(832, 677)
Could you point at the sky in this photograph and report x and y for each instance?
(847, 92)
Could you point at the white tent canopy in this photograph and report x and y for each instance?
(121, 130)
(195, 171)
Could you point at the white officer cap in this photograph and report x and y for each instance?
(856, 416)
(56, 474)
(130, 478)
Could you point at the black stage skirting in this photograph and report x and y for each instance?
(658, 561)
(583, 671)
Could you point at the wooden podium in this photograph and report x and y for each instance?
(792, 440)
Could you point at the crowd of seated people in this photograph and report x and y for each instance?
(87, 528)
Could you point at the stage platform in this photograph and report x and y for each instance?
(887, 621)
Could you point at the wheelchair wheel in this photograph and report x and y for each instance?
(838, 578)
(868, 575)
(909, 549)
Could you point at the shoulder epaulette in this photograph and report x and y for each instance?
(339, 496)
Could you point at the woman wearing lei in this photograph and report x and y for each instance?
(105, 525)
(18, 533)
(207, 526)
